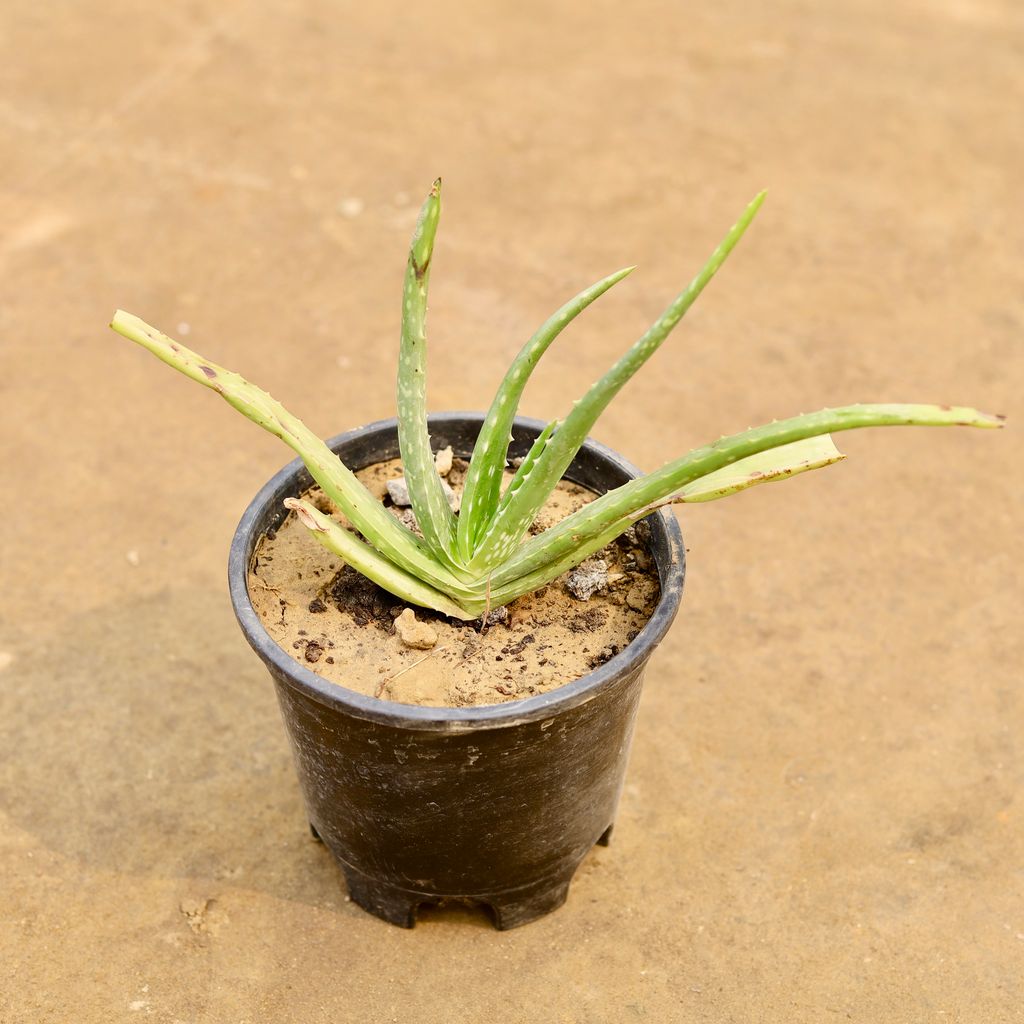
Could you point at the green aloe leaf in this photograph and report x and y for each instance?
(513, 520)
(434, 515)
(374, 565)
(483, 479)
(463, 566)
(776, 464)
(764, 468)
(338, 482)
(526, 466)
(614, 512)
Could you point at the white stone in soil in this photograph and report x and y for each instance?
(399, 492)
(413, 633)
(443, 461)
(587, 578)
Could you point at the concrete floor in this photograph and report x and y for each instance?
(823, 818)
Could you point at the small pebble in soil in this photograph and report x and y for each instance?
(407, 518)
(495, 616)
(443, 461)
(587, 579)
(313, 651)
(635, 599)
(413, 633)
(398, 491)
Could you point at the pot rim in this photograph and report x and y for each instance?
(448, 719)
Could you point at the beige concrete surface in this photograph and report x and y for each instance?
(823, 818)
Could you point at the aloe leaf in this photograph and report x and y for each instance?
(775, 464)
(374, 565)
(613, 512)
(530, 460)
(435, 517)
(504, 592)
(511, 523)
(339, 483)
(766, 467)
(483, 479)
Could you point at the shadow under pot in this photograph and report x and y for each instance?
(495, 805)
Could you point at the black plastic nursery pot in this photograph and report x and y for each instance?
(496, 804)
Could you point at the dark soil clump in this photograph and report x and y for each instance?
(366, 602)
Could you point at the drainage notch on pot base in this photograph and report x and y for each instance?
(495, 805)
(509, 908)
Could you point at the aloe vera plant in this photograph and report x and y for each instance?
(480, 559)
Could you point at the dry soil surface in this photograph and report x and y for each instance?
(824, 816)
(345, 628)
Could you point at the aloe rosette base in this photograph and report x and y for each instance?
(480, 559)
